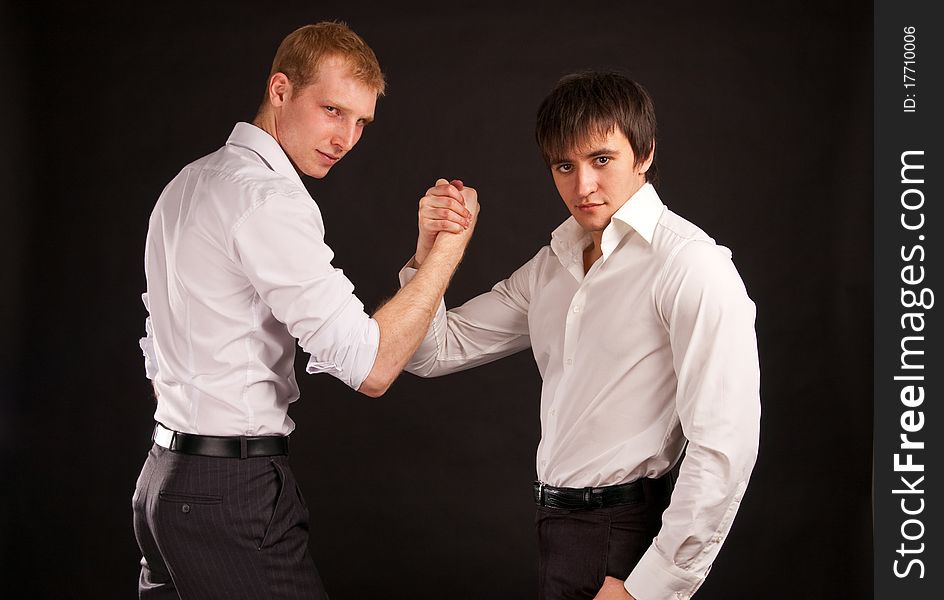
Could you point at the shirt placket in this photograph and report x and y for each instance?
(572, 324)
(575, 314)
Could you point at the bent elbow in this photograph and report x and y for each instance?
(376, 385)
(373, 389)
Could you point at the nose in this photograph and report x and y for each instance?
(586, 181)
(346, 135)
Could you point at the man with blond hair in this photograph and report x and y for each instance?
(237, 271)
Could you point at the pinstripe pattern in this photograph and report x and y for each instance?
(222, 528)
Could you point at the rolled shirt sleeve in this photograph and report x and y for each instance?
(710, 320)
(283, 253)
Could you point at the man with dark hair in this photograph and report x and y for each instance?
(237, 271)
(644, 336)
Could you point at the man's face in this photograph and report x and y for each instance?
(319, 125)
(596, 180)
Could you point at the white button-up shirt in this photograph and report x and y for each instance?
(237, 271)
(652, 346)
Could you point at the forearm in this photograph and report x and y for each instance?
(484, 329)
(469, 336)
(405, 318)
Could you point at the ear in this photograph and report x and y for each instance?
(644, 167)
(280, 89)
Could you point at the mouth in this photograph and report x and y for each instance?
(588, 207)
(330, 158)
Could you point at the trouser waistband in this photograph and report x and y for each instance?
(220, 446)
(602, 497)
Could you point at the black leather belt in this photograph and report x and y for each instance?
(220, 446)
(600, 497)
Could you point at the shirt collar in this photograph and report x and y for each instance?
(640, 213)
(568, 242)
(246, 135)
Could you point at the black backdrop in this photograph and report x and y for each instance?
(765, 142)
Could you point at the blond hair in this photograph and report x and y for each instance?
(301, 53)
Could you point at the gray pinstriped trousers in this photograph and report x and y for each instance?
(222, 528)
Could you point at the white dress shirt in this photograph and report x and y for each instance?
(237, 271)
(652, 346)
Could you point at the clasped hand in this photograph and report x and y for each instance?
(448, 207)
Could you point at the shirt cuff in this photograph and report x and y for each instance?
(353, 365)
(656, 578)
(408, 272)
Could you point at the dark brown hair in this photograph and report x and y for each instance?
(588, 105)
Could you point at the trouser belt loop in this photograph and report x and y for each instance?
(242, 447)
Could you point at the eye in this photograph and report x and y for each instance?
(602, 160)
(332, 110)
(564, 168)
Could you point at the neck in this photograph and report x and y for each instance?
(265, 121)
(593, 252)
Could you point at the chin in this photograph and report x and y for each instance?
(317, 173)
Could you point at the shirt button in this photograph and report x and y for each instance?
(553, 411)
(577, 309)
(185, 508)
(570, 361)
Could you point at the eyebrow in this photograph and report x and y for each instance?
(602, 152)
(329, 102)
(592, 154)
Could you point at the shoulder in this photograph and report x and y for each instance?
(673, 232)
(537, 267)
(682, 245)
(234, 182)
(526, 272)
(245, 171)
(692, 258)
(544, 254)
(522, 280)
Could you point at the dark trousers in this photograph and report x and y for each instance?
(222, 528)
(578, 548)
